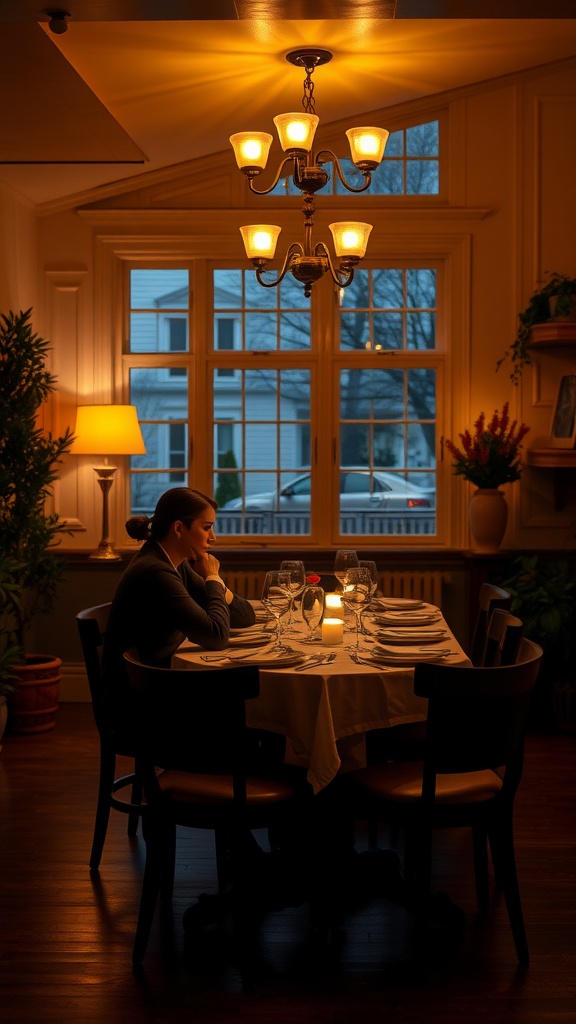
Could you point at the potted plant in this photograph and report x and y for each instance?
(544, 596)
(554, 301)
(489, 457)
(29, 572)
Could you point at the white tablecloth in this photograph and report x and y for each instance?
(326, 710)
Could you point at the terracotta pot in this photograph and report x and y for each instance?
(34, 703)
(488, 518)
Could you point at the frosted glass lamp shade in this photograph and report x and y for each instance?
(296, 131)
(367, 146)
(350, 238)
(260, 240)
(251, 150)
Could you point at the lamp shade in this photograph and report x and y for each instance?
(251, 150)
(260, 240)
(296, 131)
(350, 238)
(367, 146)
(108, 430)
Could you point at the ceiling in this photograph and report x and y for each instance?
(136, 85)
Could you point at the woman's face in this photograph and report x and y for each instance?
(199, 535)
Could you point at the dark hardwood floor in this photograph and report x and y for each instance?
(66, 937)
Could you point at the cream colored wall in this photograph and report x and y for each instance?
(510, 214)
(18, 269)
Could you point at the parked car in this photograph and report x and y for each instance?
(359, 492)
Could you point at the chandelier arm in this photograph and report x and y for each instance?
(341, 275)
(266, 191)
(260, 266)
(332, 156)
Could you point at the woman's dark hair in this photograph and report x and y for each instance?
(177, 503)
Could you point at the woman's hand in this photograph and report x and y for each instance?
(207, 565)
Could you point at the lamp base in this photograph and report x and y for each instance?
(105, 553)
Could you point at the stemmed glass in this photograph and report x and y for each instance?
(312, 610)
(297, 582)
(355, 595)
(345, 559)
(277, 599)
(365, 563)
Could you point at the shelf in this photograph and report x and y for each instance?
(553, 334)
(551, 458)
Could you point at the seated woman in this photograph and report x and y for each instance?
(171, 590)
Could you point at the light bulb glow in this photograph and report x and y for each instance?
(296, 131)
(367, 145)
(251, 149)
(350, 238)
(260, 240)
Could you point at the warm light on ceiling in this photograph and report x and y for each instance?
(307, 262)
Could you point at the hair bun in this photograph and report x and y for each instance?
(138, 527)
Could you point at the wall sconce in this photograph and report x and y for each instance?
(114, 430)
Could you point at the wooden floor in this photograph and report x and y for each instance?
(66, 937)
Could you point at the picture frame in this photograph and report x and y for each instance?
(563, 429)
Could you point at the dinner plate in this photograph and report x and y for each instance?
(407, 618)
(409, 652)
(267, 659)
(397, 603)
(411, 635)
(248, 638)
(408, 658)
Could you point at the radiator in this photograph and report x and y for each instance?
(425, 586)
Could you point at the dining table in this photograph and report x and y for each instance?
(320, 697)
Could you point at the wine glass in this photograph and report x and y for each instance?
(312, 610)
(277, 599)
(297, 582)
(345, 559)
(365, 563)
(355, 595)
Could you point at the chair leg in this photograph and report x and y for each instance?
(136, 798)
(106, 779)
(502, 847)
(151, 883)
(480, 853)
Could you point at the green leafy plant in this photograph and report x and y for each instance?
(29, 456)
(544, 597)
(491, 455)
(538, 311)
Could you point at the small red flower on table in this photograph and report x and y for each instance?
(312, 578)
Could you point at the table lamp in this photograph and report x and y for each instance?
(114, 430)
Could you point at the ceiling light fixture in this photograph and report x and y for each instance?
(57, 23)
(308, 262)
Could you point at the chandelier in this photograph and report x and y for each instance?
(307, 262)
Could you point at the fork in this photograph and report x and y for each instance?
(316, 659)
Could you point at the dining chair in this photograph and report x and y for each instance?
(92, 625)
(503, 638)
(473, 757)
(489, 598)
(194, 757)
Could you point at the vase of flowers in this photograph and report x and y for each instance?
(488, 458)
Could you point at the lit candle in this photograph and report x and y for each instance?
(332, 632)
(333, 603)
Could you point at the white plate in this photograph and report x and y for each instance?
(397, 603)
(412, 635)
(267, 660)
(247, 638)
(412, 658)
(407, 618)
